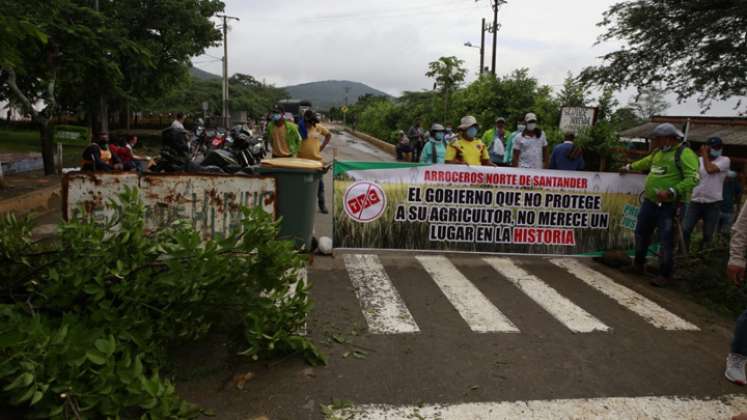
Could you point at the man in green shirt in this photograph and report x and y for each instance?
(672, 174)
(282, 135)
(497, 134)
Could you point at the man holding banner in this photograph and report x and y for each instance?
(468, 149)
(673, 173)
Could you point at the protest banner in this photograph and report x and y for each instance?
(482, 209)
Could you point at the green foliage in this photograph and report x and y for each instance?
(91, 315)
(574, 93)
(688, 47)
(246, 94)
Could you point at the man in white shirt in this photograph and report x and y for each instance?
(530, 146)
(178, 123)
(706, 200)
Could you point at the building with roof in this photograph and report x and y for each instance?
(731, 130)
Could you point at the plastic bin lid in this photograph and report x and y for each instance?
(292, 163)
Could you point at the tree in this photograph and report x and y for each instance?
(66, 54)
(690, 48)
(574, 93)
(449, 73)
(649, 102)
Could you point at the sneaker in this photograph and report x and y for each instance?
(735, 368)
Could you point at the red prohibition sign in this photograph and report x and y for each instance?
(364, 201)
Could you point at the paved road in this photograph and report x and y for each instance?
(440, 336)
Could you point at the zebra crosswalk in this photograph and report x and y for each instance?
(386, 312)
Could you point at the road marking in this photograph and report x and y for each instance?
(596, 408)
(565, 311)
(650, 311)
(472, 305)
(382, 306)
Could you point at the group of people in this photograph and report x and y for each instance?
(526, 147)
(305, 140)
(101, 155)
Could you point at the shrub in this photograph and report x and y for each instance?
(85, 321)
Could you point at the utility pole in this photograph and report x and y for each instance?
(345, 114)
(226, 112)
(482, 46)
(496, 4)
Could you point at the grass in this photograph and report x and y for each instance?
(27, 141)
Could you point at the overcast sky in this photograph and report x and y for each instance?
(388, 44)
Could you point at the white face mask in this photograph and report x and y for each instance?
(531, 126)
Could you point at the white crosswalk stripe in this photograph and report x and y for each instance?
(650, 311)
(592, 408)
(382, 306)
(479, 313)
(565, 311)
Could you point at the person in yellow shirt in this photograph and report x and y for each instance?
(468, 149)
(315, 137)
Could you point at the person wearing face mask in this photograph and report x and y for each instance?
(434, 150)
(705, 203)
(283, 135)
(315, 138)
(468, 149)
(450, 135)
(672, 174)
(494, 140)
(98, 157)
(530, 147)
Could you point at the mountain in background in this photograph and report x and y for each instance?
(331, 93)
(202, 74)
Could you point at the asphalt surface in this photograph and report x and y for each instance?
(454, 363)
(630, 359)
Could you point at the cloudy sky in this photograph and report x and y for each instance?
(388, 44)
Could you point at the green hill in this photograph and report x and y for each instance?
(331, 93)
(202, 74)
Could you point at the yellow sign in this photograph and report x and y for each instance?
(344, 109)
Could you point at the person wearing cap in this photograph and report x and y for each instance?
(494, 139)
(672, 174)
(283, 135)
(434, 150)
(566, 156)
(705, 203)
(314, 138)
(530, 147)
(404, 150)
(468, 149)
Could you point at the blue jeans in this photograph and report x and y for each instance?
(739, 342)
(651, 217)
(709, 212)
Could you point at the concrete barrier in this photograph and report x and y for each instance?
(40, 201)
(378, 143)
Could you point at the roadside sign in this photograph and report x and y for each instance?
(577, 118)
(344, 109)
(211, 203)
(71, 135)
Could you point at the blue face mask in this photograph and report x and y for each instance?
(439, 136)
(716, 153)
(276, 117)
(472, 132)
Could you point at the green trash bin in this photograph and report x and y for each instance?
(297, 187)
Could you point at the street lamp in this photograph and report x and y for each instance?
(482, 53)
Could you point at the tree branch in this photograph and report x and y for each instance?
(12, 83)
